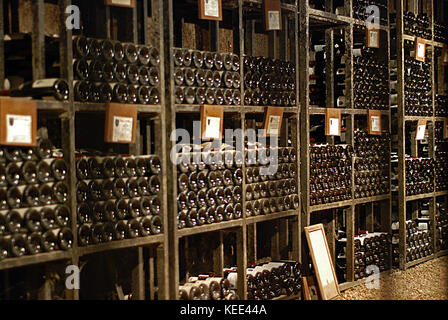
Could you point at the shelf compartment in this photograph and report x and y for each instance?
(35, 259)
(334, 205)
(210, 228)
(272, 216)
(101, 107)
(420, 196)
(372, 199)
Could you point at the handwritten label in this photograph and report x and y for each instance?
(212, 128)
(274, 125)
(273, 20)
(211, 8)
(334, 126)
(375, 124)
(373, 39)
(18, 129)
(421, 130)
(421, 50)
(122, 131)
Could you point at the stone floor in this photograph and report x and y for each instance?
(427, 281)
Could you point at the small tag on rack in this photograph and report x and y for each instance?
(375, 127)
(373, 38)
(333, 122)
(120, 3)
(421, 130)
(121, 123)
(272, 15)
(273, 121)
(210, 9)
(420, 49)
(212, 122)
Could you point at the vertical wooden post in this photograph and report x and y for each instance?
(138, 277)
(38, 40)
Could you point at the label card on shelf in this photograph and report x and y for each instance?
(120, 3)
(121, 123)
(421, 130)
(18, 118)
(323, 265)
(420, 49)
(210, 10)
(212, 122)
(19, 129)
(445, 55)
(272, 15)
(375, 126)
(273, 121)
(373, 38)
(333, 122)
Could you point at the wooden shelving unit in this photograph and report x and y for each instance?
(402, 119)
(326, 21)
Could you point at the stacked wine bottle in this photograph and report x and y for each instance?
(419, 176)
(317, 73)
(34, 216)
(371, 250)
(418, 86)
(441, 227)
(330, 173)
(370, 80)
(206, 77)
(441, 105)
(441, 158)
(360, 11)
(118, 198)
(418, 241)
(210, 188)
(371, 165)
(414, 25)
(269, 82)
(111, 71)
(269, 191)
(207, 287)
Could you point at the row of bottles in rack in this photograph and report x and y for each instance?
(34, 214)
(264, 282)
(370, 75)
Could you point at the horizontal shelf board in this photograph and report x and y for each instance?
(35, 259)
(333, 205)
(429, 42)
(442, 253)
(324, 16)
(50, 105)
(416, 262)
(441, 193)
(285, 297)
(372, 199)
(209, 228)
(363, 23)
(194, 108)
(320, 110)
(416, 118)
(420, 196)
(272, 216)
(122, 244)
(101, 107)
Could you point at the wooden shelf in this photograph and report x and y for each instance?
(321, 111)
(35, 259)
(284, 6)
(334, 205)
(328, 17)
(272, 216)
(210, 228)
(420, 196)
(50, 105)
(122, 244)
(232, 109)
(285, 297)
(441, 193)
(101, 107)
(372, 199)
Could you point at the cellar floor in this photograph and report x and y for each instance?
(427, 281)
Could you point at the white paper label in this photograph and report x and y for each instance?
(211, 8)
(273, 20)
(421, 51)
(122, 2)
(334, 126)
(373, 35)
(212, 128)
(18, 128)
(321, 257)
(421, 130)
(375, 124)
(122, 131)
(44, 83)
(274, 125)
